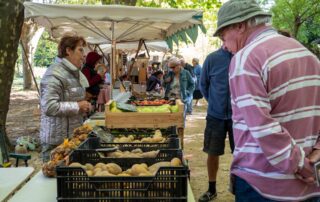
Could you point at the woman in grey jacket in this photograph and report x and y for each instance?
(62, 95)
(179, 82)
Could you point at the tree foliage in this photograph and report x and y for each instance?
(300, 17)
(46, 51)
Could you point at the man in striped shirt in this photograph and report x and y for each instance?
(275, 95)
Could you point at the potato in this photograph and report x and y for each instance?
(116, 154)
(97, 173)
(89, 173)
(97, 170)
(131, 137)
(145, 174)
(156, 166)
(113, 168)
(89, 166)
(124, 174)
(129, 171)
(144, 165)
(150, 154)
(75, 164)
(124, 139)
(146, 140)
(106, 173)
(137, 169)
(157, 139)
(99, 165)
(176, 162)
(138, 150)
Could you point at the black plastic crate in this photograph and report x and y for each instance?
(93, 155)
(169, 184)
(144, 131)
(94, 143)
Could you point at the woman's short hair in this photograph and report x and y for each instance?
(196, 60)
(69, 42)
(174, 61)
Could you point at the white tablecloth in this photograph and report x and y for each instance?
(11, 179)
(38, 189)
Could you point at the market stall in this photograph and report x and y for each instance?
(132, 165)
(111, 24)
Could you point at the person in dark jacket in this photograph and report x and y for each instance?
(214, 85)
(94, 79)
(154, 82)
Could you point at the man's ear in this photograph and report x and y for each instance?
(241, 27)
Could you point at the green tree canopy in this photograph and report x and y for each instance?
(46, 51)
(300, 17)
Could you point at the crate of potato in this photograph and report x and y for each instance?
(128, 142)
(138, 155)
(146, 117)
(127, 180)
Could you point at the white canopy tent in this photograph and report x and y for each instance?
(102, 24)
(111, 24)
(159, 46)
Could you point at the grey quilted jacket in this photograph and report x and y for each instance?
(60, 90)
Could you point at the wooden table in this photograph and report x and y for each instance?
(38, 189)
(43, 189)
(11, 179)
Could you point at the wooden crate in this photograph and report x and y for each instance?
(144, 120)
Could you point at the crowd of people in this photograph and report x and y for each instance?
(263, 93)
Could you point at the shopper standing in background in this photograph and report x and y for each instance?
(197, 95)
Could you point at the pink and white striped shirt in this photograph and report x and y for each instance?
(275, 95)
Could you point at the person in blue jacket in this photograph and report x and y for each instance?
(179, 82)
(214, 86)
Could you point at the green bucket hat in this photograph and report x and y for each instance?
(235, 11)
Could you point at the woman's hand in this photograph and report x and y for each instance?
(84, 106)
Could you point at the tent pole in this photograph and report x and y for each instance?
(30, 68)
(105, 57)
(113, 58)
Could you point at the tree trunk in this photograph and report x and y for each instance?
(296, 27)
(30, 36)
(11, 19)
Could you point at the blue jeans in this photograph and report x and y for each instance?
(189, 104)
(245, 193)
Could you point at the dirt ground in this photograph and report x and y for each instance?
(23, 119)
